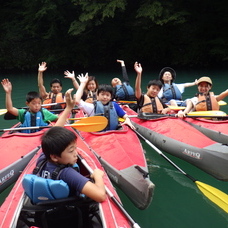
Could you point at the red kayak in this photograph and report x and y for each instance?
(216, 130)
(178, 138)
(110, 214)
(121, 154)
(16, 151)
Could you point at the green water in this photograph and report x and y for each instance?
(177, 202)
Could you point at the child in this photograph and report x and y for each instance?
(149, 102)
(90, 91)
(103, 105)
(59, 148)
(123, 90)
(55, 95)
(34, 116)
(204, 100)
(170, 92)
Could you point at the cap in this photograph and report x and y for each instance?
(171, 70)
(205, 79)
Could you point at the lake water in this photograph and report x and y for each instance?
(177, 202)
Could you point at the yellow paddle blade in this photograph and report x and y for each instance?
(176, 107)
(222, 103)
(130, 102)
(207, 113)
(91, 124)
(215, 195)
(3, 111)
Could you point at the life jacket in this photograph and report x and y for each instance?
(207, 102)
(54, 98)
(125, 92)
(32, 120)
(91, 98)
(151, 105)
(109, 112)
(39, 186)
(171, 91)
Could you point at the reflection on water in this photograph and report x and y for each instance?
(177, 202)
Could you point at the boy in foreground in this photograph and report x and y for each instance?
(35, 115)
(60, 148)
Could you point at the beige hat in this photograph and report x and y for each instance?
(205, 79)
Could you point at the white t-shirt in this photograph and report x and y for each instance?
(88, 108)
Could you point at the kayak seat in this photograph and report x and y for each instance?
(40, 189)
(47, 205)
(68, 212)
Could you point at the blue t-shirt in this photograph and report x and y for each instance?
(74, 179)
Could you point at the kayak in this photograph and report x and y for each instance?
(17, 207)
(178, 138)
(216, 130)
(123, 158)
(16, 151)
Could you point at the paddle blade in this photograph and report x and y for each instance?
(222, 103)
(91, 124)
(207, 113)
(176, 107)
(3, 111)
(215, 195)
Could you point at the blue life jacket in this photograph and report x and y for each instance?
(40, 189)
(33, 119)
(171, 92)
(109, 112)
(125, 92)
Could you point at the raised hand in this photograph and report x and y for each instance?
(138, 67)
(6, 84)
(69, 75)
(83, 78)
(42, 67)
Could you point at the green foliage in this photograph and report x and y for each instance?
(93, 33)
(161, 13)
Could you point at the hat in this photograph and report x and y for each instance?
(205, 79)
(171, 70)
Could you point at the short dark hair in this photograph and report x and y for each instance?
(32, 95)
(56, 140)
(105, 88)
(55, 80)
(155, 82)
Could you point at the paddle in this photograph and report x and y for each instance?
(89, 124)
(9, 116)
(215, 195)
(3, 111)
(200, 114)
(127, 102)
(113, 198)
(183, 107)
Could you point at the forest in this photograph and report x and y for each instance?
(93, 34)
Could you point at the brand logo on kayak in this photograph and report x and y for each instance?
(7, 177)
(192, 154)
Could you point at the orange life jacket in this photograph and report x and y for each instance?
(207, 102)
(54, 98)
(91, 97)
(151, 105)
